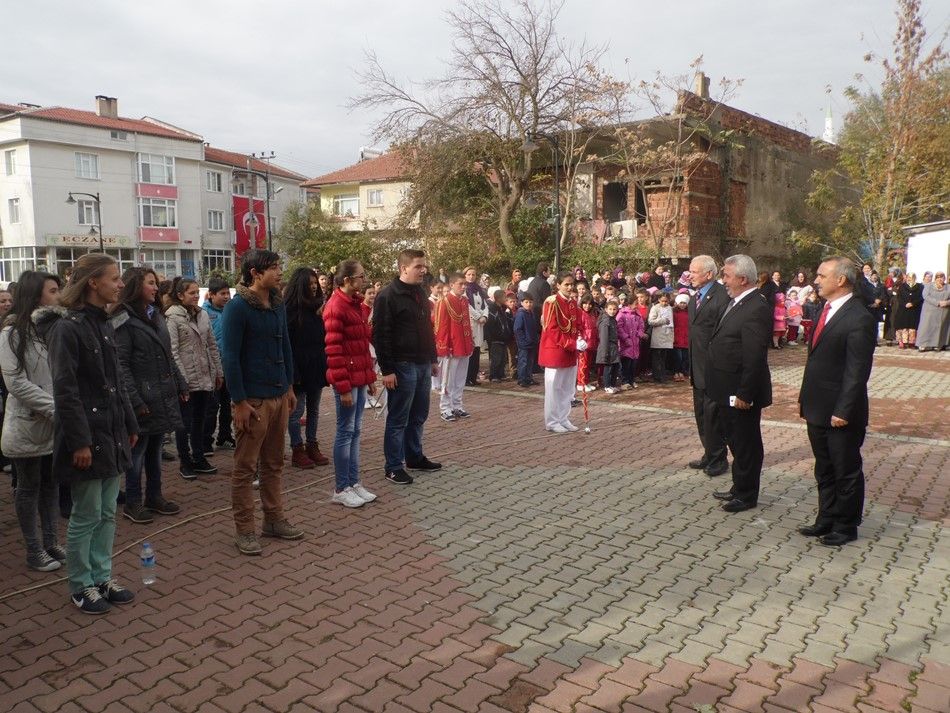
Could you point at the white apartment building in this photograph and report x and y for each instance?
(160, 202)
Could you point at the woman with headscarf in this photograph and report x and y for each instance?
(617, 278)
(478, 313)
(933, 334)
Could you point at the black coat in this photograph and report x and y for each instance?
(737, 358)
(702, 323)
(540, 290)
(308, 344)
(92, 407)
(835, 382)
(151, 377)
(402, 326)
(499, 327)
(608, 344)
(908, 317)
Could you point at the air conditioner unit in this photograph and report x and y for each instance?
(623, 229)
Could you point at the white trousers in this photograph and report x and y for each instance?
(453, 371)
(559, 386)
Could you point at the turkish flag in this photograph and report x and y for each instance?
(243, 228)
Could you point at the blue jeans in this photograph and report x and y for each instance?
(308, 399)
(146, 454)
(346, 445)
(193, 415)
(408, 411)
(525, 362)
(681, 361)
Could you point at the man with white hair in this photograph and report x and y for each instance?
(738, 379)
(705, 308)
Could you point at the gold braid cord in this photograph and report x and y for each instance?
(564, 322)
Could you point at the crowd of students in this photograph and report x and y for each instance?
(100, 371)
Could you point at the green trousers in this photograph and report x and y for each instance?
(91, 532)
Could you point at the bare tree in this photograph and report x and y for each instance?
(510, 75)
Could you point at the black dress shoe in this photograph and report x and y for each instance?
(699, 464)
(814, 530)
(424, 464)
(738, 506)
(723, 495)
(836, 539)
(716, 469)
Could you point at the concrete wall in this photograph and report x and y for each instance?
(374, 217)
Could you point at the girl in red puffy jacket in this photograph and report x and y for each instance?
(350, 373)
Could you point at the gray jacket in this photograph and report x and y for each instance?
(28, 419)
(194, 348)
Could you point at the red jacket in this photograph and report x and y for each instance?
(558, 348)
(453, 327)
(680, 328)
(349, 363)
(587, 328)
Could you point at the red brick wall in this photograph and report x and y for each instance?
(734, 119)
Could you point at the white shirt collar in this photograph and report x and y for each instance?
(740, 297)
(835, 304)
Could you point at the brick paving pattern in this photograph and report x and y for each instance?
(535, 572)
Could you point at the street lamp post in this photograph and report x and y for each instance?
(530, 147)
(92, 231)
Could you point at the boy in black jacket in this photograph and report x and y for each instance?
(498, 331)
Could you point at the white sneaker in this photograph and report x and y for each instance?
(610, 390)
(581, 387)
(362, 493)
(256, 483)
(348, 498)
(590, 387)
(633, 385)
(570, 427)
(558, 428)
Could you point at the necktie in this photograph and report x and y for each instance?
(821, 323)
(732, 303)
(699, 299)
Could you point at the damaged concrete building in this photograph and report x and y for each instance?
(743, 193)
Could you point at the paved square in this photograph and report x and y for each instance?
(535, 572)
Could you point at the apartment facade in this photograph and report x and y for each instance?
(141, 190)
(367, 195)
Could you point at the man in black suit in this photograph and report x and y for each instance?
(834, 401)
(705, 309)
(738, 379)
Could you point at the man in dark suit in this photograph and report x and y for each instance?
(738, 379)
(705, 309)
(834, 401)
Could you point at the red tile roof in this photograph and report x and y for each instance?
(8, 108)
(239, 160)
(382, 168)
(90, 118)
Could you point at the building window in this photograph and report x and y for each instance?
(213, 181)
(87, 165)
(15, 261)
(374, 198)
(9, 162)
(217, 261)
(119, 135)
(14, 208)
(164, 262)
(216, 220)
(346, 206)
(88, 215)
(67, 257)
(156, 169)
(157, 213)
(240, 189)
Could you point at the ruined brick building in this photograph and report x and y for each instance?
(742, 195)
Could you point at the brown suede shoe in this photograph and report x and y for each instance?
(314, 454)
(300, 458)
(282, 529)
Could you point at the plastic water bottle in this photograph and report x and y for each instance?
(148, 564)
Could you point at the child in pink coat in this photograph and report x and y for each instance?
(630, 330)
(778, 325)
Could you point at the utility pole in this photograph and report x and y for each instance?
(267, 158)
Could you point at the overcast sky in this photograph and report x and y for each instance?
(276, 76)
